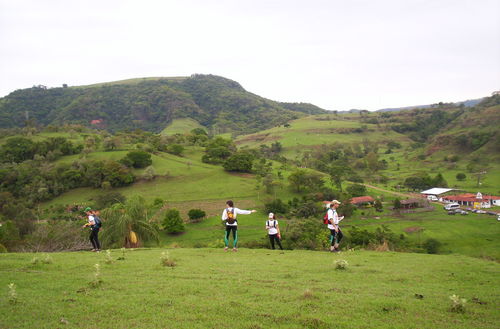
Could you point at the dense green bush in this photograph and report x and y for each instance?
(195, 215)
(431, 246)
(137, 159)
(172, 222)
(240, 162)
(276, 206)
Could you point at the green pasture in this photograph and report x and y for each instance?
(473, 234)
(181, 126)
(310, 131)
(210, 288)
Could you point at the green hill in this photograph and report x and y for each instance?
(208, 288)
(149, 104)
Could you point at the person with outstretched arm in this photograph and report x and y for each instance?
(333, 225)
(273, 230)
(229, 217)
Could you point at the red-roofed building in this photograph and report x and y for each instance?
(362, 200)
(473, 200)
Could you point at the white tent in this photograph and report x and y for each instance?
(436, 191)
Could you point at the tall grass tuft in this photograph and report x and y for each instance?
(47, 259)
(457, 304)
(97, 277)
(341, 264)
(12, 293)
(165, 260)
(108, 259)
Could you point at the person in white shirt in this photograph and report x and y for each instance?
(333, 225)
(229, 216)
(94, 229)
(273, 230)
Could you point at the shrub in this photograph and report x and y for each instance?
(108, 199)
(172, 222)
(175, 149)
(431, 246)
(461, 176)
(196, 215)
(277, 206)
(137, 159)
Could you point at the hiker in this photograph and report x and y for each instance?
(94, 223)
(229, 216)
(333, 225)
(273, 230)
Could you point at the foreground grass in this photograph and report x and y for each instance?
(209, 288)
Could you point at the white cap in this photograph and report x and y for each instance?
(271, 215)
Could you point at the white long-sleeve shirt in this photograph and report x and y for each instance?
(334, 219)
(236, 212)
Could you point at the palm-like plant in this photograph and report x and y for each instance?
(128, 224)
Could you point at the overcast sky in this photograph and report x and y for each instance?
(336, 54)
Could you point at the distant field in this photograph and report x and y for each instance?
(315, 131)
(181, 126)
(208, 288)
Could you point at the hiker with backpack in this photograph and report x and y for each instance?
(273, 230)
(229, 217)
(332, 219)
(94, 222)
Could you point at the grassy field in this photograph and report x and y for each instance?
(473, 235)
(208, 288)
(181, 126)
(315, 131)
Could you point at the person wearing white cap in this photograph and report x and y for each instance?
(273, 230)
(333, 225)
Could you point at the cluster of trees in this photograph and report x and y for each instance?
(19, 149)
(424, 181)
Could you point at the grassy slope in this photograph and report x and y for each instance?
(249, 289)
(311, 132)
(181, 126)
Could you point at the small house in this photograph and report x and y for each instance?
(473, 200)
(362, 201)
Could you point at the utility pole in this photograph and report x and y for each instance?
(479, 174)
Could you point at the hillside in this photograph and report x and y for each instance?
(149, 104)
(262, 289)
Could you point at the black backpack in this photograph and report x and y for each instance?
(97, 221)
(274, 223)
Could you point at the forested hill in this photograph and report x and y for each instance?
(150, 104)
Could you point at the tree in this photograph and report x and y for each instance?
(17, 149)
(241, 162)
(137, 159)
(175, 149)
(128, 224)
(356, 190)
(172, 223)
(461, 176)
(301, 180)
(397, 203)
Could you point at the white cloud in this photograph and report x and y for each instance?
(335, 54)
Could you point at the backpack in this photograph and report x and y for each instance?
(326, 221)
(97, 221)
(231, 218)
(274, 223)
